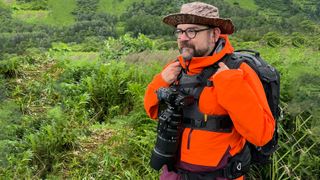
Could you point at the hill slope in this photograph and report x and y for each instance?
(38, 23)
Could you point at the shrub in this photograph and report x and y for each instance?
(298, 40)
(115, 49)
(273, 39)
(9, 67)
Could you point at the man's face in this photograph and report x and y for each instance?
(199, 45)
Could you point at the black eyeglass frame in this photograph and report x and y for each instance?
(178, 32)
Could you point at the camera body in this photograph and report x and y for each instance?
(169, 127)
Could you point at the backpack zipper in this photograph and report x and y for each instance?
(189, 138)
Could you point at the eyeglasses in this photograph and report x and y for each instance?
(190, 32)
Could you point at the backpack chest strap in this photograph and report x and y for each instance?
(210, 123)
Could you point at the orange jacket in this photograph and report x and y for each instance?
(237, 92)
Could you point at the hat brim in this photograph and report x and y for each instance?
(226, 26)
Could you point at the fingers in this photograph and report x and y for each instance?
(175, 64)
(223, 66)
(171, 72)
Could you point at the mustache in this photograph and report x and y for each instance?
(185, 44)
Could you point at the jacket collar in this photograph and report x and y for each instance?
(198, 63)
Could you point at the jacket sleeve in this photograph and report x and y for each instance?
(241, 93)
(150, 98)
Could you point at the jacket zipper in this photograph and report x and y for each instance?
(189, 138)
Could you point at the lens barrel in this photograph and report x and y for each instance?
(167, 142)
(169, 129)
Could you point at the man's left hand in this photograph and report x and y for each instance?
(222, 67)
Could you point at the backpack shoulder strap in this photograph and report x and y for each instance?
(232, 61)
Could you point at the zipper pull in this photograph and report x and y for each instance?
(205, 117)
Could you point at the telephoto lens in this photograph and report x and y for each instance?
(168, 131)
(167, 140)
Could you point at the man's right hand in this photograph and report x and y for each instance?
(171, 72)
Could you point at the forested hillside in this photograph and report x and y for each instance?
(73, 75)
(27, 23)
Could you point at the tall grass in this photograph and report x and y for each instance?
(7, 2)
(123, 155)
(62, 117)
(297, 156)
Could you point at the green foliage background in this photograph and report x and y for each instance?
(73, 76)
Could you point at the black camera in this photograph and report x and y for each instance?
(169, 127)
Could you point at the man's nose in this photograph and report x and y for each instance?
(183, 37)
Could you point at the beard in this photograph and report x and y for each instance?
(188, 50)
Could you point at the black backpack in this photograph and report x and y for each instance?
(270, 80)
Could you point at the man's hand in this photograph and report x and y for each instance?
(171, 72)
(222, 67)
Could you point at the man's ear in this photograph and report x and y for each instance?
(216, 33)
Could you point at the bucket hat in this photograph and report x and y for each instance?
(200, 13)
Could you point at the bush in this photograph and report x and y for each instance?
(115, 49)
(298, 40)
(32, 4)
(273, 39)
(9, 66)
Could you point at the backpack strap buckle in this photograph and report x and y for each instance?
(198, 123)
(209, 83)
(221, 124)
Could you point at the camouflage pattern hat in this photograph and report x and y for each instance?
(200, 13)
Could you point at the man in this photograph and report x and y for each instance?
(236, 95)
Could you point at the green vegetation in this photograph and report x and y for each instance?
(116, 7)
(67, 113)
(72, 84)
(245, 4)
(53, 12)
(5, 3)
(31, 16)
(61, 12)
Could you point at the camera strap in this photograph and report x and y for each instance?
(202, 79)
(192, 117)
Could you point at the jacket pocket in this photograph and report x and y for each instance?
(189, 138)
